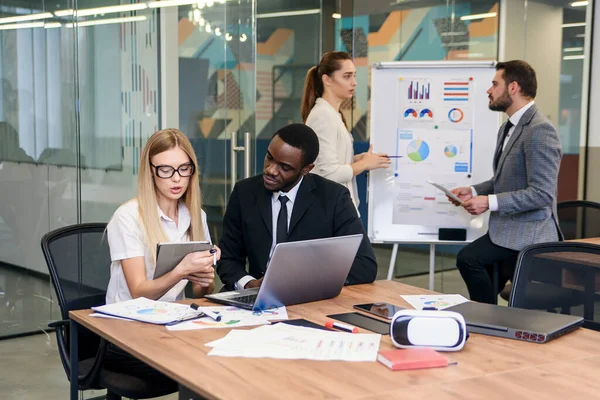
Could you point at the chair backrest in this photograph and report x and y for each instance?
(562, 277)
(579, 219)
(78, 259)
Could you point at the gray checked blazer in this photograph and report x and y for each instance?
(525, 183)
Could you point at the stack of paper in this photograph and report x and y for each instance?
(232, 317)
(296, 342)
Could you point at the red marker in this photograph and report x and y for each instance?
(343, 327)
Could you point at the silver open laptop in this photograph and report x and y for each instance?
(299, 272)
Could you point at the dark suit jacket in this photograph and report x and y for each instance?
(322, 209)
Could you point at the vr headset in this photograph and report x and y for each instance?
(439, 330)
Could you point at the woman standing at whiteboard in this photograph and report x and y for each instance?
(326, 87)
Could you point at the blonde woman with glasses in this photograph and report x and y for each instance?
(166, 209)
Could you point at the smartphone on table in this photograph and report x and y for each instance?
(384, 310)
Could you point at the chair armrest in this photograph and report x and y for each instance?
(62, 329)
(59, 324)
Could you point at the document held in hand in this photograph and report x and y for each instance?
(446, 191)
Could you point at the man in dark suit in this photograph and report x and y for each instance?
(521, 196)
(287, 203)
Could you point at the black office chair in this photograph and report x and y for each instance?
(78, 259)
(579, 219)
(559, 277)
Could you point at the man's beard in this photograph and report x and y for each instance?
(502, 103)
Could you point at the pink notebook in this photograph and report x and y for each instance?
(416, 358)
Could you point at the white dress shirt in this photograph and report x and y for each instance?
(515, 118)
(126, 239)
(275, 208)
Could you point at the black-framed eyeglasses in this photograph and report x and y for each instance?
(166, 171)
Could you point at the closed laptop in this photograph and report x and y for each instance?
(515, 323)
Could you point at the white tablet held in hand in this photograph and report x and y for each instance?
(169, 254)
(446, 191)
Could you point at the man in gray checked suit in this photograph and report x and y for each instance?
(521, 196)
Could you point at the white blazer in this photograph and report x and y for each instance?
(336, 152)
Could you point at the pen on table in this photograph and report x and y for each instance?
(210, 314)
(184, 319)
(395, 156)
(343, 327)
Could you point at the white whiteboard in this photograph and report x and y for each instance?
(435, 116)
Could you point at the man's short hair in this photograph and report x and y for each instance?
(521, 72)
(301, 137)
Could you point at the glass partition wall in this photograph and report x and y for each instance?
(84, 84)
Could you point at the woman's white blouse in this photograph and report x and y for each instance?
(126, 240)
(336, 151)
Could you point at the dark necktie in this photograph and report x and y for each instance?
(502, 139)
(282, 218)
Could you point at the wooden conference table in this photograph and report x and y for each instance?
(488, 367)
(595, 240)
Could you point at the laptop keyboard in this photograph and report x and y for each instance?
(249, 299)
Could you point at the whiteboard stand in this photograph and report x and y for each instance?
(392, 267)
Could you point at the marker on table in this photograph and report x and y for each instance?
(210, 314)
(343, 327)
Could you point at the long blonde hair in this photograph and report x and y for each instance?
(163, 140)
(313, 84)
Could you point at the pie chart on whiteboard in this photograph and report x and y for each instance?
(418, 150)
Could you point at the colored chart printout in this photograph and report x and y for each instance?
(232, 317)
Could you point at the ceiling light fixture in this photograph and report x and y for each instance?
(27, 17)
(22, 26)
(64, 13)
(289, 13)
(170, 3)
(478, 16)
(110, 9)
(107, 21)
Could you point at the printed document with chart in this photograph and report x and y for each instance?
(296, 342)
